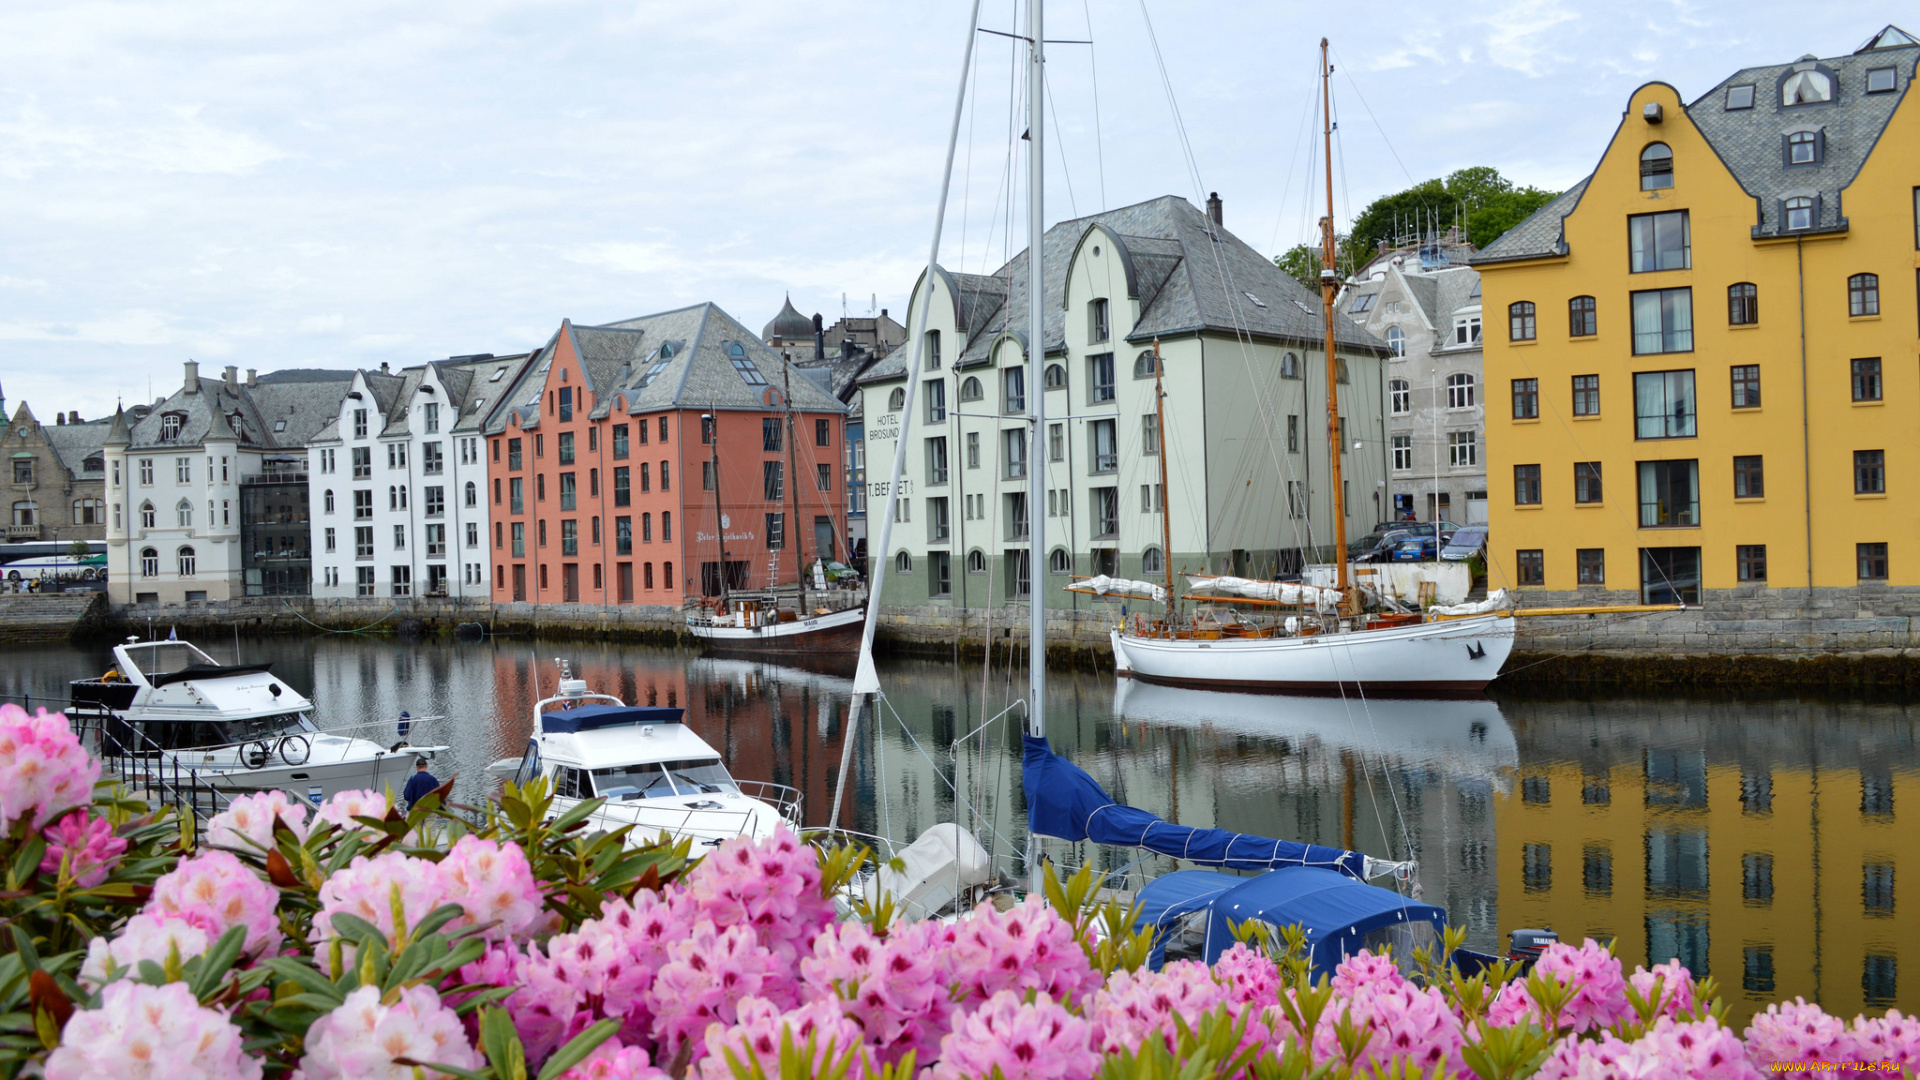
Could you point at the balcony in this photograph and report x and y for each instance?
(23, 532)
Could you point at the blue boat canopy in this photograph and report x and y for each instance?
(1340, 915)
(1065, 803)
(595, 717)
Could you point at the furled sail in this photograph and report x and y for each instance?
(1273, 592)
(1498, 601)
(1123, 588)
(1065, 803)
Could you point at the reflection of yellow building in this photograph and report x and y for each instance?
(1700, 359)
(1776, 883)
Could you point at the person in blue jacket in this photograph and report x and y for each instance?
(420, 784)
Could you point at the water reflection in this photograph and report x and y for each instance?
(1757, 841)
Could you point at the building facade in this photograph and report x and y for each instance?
(1700, 366)
(1429, 316)
(650, 460)
(1246, 435)
(400, 481)
(55, 479)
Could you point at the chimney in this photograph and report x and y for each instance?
(383, 367)
(192, 383)
(73, 417)
(1213, 208)
(60, 419)
(883, 313)
(233, 378)
(846, 347)
(819, 337)
(251, 381)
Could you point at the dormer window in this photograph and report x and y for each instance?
(1803, 148)
(737, 355)
(1808, 87)
(1881, 80)
(170, 426)
(1363, 303)
(1799, 213)
(1739, 97)
(1656, 167)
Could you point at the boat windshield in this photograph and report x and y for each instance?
(278, 725)
(166, 657)
(658, 779)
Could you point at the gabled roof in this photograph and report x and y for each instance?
(1542, 235)
(74, 444)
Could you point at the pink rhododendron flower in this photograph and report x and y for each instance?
(366, 889)
(247, 822)
(771, 885)
(1135, 1006)
(761, 1026)
(612, 1061)
(706, 976)
(1797, 1031)
(1695, 1051)
(1676, 987)
(141, 1032)
(494, 882)
(1404, 1022)
(1251, 978)
(1599, 998)
(215, 891)
(896, 989)
(144, 937)
(1891, 1038)
(1028, 947)
(88, 846)
(1363, 969)
(44, 771)
(342, 807)
(1041, 1041)
(599, 971)
(360, 1039)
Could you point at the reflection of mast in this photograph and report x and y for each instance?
(1329, 284)
(1166, 520)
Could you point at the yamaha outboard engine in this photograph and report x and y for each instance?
(1527, 945)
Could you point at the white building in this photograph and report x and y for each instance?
(399, 482)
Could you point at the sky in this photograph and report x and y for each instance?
(271, 185)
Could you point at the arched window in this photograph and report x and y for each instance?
(970, 389)
(1340, 369)
(903, 563)
(184, 512)
(1289, 366)
(1060, 562)
(187, 562)
(1056, 377)
(1520, 321)
(1656, 167)
(1863, 294)
(1397, 341)
(1799, 212)
(146, 515)
(1146, 365)
(1460, 390)
(1400, 396)
(473, 494)
(1806, 88)
(326, 501)
(23, 512)
(96, 463)
(1151, 562)
(170, 424)
(149, 563)
(976, 561)
(1803, 148)
(1581, 319)
(1743, 304)
(897, 400)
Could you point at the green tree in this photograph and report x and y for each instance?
(1480, 200)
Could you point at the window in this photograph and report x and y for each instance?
(646, 476)
(1526, 399)
(402, 580)
(1014, 452)
(932, 350)
(976, 562)
(399, 538)
(770, 434)
(1466, 328)
(1746, 386)
(1520, 321)
(1363, 303)
(1290, 364)
(1586, 482)
(1396, 343)
(146, 470)
(1749, 477)
(1863, 294)
(363, 581)
(1876, 888)
(1104, 448)
(773, 486)
(1751, 559)
(1402, 453)
(1670, 576)
(1659, 242)
(1663, 321)
(1463, 449)
(149, 563)
(823, 478)
(568, 491)
(973, 449)
(188, 562)
(1459, 393)
(1663, 405)
(516, 495)
(1106, 511)
(939, 521)
(1526, 485)
(473, 494)
(436, 501)
(939, 574)
(519, 540)
(1869, 472)
(1743, 304)
(473, 537)
(1586, 395)
(1581, 317)
(1669, 494)
(436, 540)
(1881, 80)
(1399, 395)
(1590, 566)
(623, 535)
(1803, 148)
(1656, 167)
(776, 525)
(646, 528)
(513, 454)
(895, 402)
(1153, 499)
(1806, 88)
(936, 392)
(936, 450)
(1056, 377)
(1150, 434)
(363, 541)
(1872, 561)
(707, 476)
(183, 514)
(397, 455)
(1799, 212)
(1866, 379)
(1531, 566)
(1059, 562)
(182, 471)
(665, 484)
(620, 440)
(1146, 365)
(1756, 878)
(1013, 389)
(1293, 434)
(1100, 378)
(663, 442)
(970, 389)
(903, 563)
(1739, 97)
(1340, 370)
(1097, 329)
(737, 356)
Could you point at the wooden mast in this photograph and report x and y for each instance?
(1329, 285)
(710, 425)
(793, 492)
(1166, 520)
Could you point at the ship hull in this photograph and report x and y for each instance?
(833, 635)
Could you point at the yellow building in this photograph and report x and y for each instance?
(1701, 360)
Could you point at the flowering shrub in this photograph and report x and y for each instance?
(511, 942)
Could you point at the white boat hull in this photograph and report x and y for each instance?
(1454, 656)
(311, 781)
(837, 632)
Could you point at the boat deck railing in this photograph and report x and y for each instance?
(716, 823)
(149, 772)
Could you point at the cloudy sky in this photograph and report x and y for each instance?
(271, 184)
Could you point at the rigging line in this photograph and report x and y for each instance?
(1059, 134)
(966, 184)
(1099, 151)
(1293, 159)
(1341, 62)
(937, 771)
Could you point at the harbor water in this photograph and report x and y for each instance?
(1757, 839)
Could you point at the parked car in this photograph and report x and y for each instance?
(1465, 544)
(1416, 549)
(1360, 546)
(1382, 549)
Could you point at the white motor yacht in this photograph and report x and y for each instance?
(653, 771)
(169, 715)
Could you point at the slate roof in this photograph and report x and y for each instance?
(1191, 276)
(306, 399)
(788, 324)
(75, 443)
(1542, 234)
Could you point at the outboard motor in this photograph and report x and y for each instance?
(1527, 945)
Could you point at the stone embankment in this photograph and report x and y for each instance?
(51, 616)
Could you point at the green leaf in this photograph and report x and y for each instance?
(217, 961)
(578, 1048)
(501, 1044)
(580, 812)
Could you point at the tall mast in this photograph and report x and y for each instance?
(1166, 519)
(1036, 377)
(793, 492)
(719, 518)
(1330, 284)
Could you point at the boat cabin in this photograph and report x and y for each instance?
(623, 752)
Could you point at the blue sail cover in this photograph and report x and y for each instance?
(1065, 803)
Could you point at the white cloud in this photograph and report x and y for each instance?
(322, 324)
